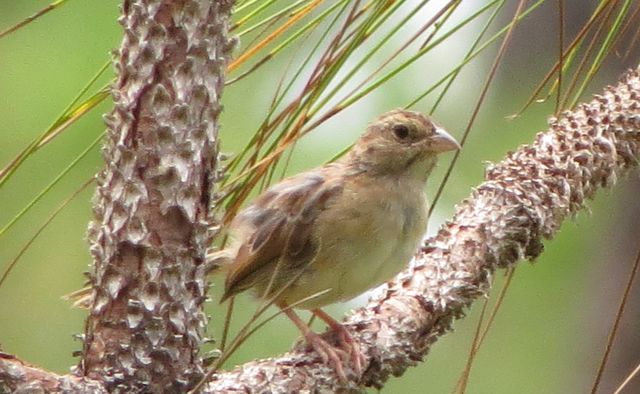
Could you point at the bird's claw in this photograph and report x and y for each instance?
(330, 355)
(352, 348)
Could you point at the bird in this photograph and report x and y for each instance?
(333, 232)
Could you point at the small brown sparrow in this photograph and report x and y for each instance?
(331, 233)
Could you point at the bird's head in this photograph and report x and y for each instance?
(401, 142)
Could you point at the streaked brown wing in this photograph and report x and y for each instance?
(280, 220)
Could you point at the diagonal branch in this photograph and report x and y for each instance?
(524, 200)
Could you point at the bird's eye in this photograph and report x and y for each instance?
(401, 131)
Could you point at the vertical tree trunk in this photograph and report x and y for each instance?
(153, 219)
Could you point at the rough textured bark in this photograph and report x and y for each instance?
(524, 199)
(153, 221)
(16, 376)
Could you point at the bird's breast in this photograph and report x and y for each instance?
(370, 234)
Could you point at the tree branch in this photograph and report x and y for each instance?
(524, 199)
(16, 376)
(153, 222)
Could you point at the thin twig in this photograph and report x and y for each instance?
(616, 323)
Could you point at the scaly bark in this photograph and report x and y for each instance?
(153, 221)
(16, 376)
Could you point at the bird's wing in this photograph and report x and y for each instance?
(278, 226)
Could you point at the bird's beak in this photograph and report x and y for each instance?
(441, 141)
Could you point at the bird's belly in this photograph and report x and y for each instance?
(352, 261)
(381, 263)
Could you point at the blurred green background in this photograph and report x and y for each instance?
(551, 330)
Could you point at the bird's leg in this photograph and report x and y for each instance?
(328, 353)
(352, 347)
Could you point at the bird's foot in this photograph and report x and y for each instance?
(351, 347)
(330, 355)
(347, 343)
